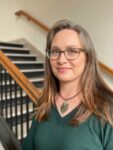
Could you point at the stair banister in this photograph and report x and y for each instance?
(19, 77)
(29, 17)
(106, 68)
(23, 13)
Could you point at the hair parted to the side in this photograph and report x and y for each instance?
(97, 96)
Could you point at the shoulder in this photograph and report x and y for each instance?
(34, 123)
(102, 128)
(33, 127)
(97, 122)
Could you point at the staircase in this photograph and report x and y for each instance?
(15, 105)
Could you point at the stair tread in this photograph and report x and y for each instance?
(14, 48)
(28, 70)
(11, 44)
(22, 55)
(24, 129)
(12, 95)
(31, 70)
(37, 79)
(27, 62)
(30, 79)
(18, 110)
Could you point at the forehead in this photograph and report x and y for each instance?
(66, 37)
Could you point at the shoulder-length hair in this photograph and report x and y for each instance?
(97, 96)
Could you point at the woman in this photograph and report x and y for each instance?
(74, 111)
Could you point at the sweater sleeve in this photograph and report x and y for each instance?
(28, 143)
(108, 137)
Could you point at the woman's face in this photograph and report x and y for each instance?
(67, 70)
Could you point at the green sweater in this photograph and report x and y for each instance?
(57, 134)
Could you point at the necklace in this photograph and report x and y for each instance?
(65, 105)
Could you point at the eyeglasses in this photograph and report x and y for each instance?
(70, 53)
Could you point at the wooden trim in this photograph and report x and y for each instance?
(29, 17)
(21, 12)
(106, 68)
(19, 77)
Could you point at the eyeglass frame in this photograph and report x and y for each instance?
(63, 51)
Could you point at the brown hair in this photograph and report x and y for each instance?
(97, 96)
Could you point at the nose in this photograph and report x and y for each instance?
(62, 58)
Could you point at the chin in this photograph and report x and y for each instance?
(68, 79)
(64, 80)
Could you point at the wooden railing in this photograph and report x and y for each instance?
(106, 68)
(19, 77)
(29, 17)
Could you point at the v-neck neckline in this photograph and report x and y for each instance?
(67, 116)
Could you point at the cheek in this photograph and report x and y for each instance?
(52, 65)
(79, 65)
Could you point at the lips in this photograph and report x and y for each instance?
(63, 70)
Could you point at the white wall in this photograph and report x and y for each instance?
(9, 27)
(13, 27)
(95, 15)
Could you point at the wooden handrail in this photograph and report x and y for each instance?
(19, 77)
(29, 17)
(21, 12)
(106, 68)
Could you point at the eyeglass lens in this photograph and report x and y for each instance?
(70, 53)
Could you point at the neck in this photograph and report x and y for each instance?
(69, 89)
(69, 98)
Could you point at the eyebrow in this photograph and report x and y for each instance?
(70, 46)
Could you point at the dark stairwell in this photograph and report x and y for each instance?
(16, 106)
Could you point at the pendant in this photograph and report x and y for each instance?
(64, 107)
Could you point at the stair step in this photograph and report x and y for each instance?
(12, 95)
(18, 120)
(21, 57)
(37, 79)
(31, 70)
(18, 109)
(14, 48)
(9, 44)
(30, 62)
(15, 51)
(28, 70)
(29, 73)
(24, 129)
(4, 104)
(31, 80)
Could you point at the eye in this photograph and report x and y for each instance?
(55, 52)
(72, 51)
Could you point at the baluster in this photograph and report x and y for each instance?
(1, 90)
(16, 108)
(11, 99)
(21, 110)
